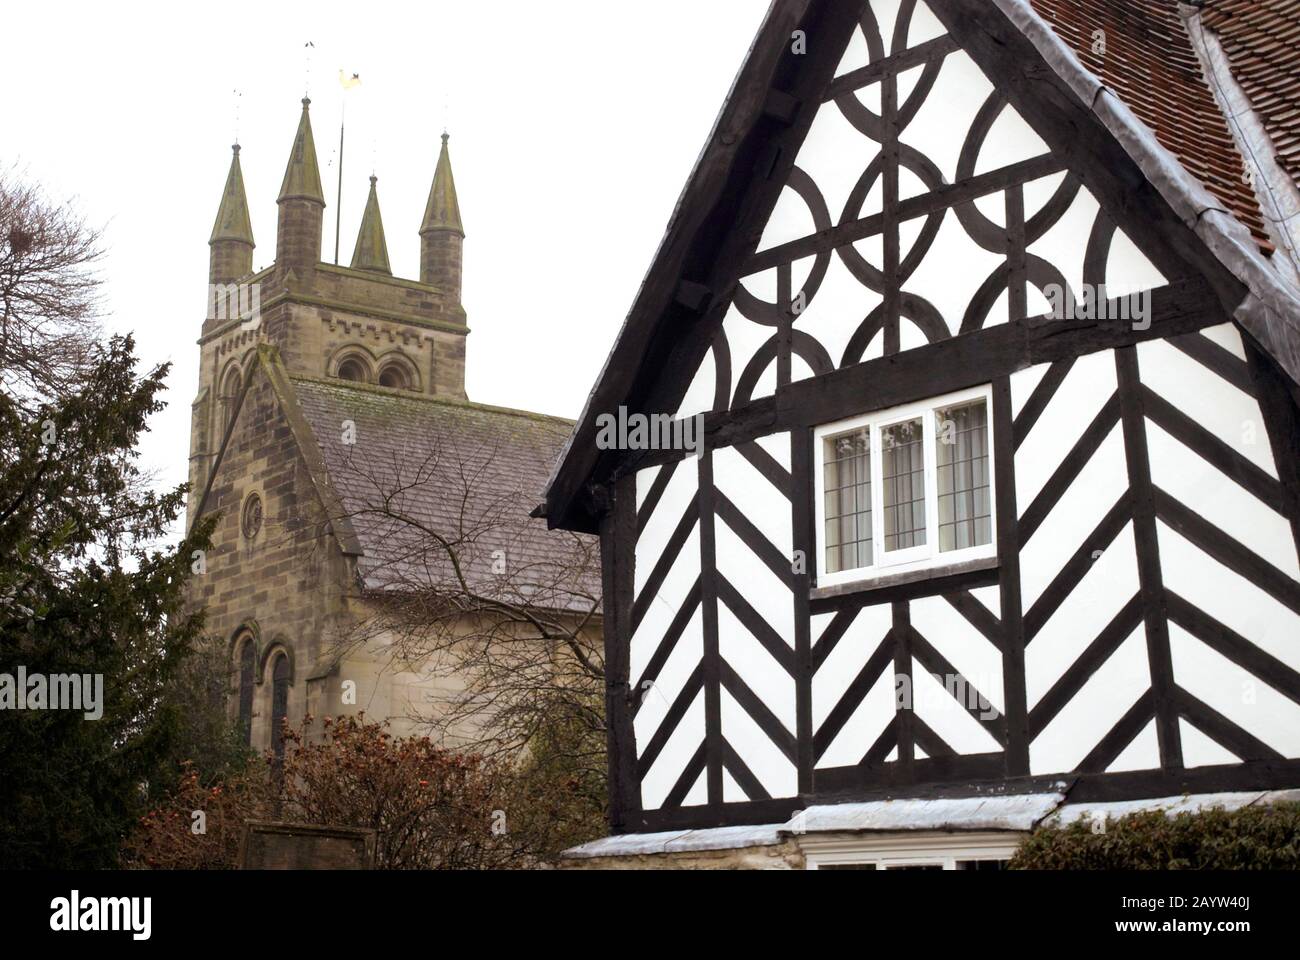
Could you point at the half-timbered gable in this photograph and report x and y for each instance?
(996, 368)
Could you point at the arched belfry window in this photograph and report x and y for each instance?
(352, 362)
(397, 372)
(247, 657)
(393, 376)
(279, 703)
(352, 369)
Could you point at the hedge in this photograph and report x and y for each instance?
(1250, 838)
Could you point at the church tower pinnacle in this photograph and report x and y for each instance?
(441, 232)
(343, 321)
(231, 244)
(371, 251)
(301, 202)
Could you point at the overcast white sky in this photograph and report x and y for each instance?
(573, 123)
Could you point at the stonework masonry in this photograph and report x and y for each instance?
(291, 589)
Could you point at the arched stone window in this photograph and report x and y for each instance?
(352, 369)
(229, 396)
(246, 661)
(351, 361)
(279, 702)
(398, 372)
(393, 376)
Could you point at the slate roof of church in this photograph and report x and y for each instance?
(469, 473)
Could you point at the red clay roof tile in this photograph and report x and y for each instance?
(1262, 41)
(1149, 61)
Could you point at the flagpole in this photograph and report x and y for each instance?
(338, 205)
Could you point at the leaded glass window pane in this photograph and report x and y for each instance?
(246, 655)
(962, 467)
(902, 478)
(848, 500)
(279, 703)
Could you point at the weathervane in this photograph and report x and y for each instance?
(307, 48)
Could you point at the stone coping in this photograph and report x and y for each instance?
(678, 841)
(1014, 812)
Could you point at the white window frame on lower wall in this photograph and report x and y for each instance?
(924, 557)
(901, 849)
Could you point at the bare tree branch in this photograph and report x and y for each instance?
(469, 587)
(49, 292)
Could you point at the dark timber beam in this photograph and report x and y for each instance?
(781, 106)
(947, 196)
(963, 361)
(981, 357)
(617, 549)
(893, 65)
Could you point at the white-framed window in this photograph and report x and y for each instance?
(919, 850)
(909, 488)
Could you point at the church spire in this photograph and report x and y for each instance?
(231, 243)
(233, 222)
(441, 232)
(302, 175)
(442, 212)
(302, 205)
(371, 252)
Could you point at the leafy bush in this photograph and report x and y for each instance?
(433, 809)
(1251, 838)
(171, 837)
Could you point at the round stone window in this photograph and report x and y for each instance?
(252, 519)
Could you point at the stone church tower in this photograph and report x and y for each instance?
(315, 379)
(359, 322)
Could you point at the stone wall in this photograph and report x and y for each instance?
(285, 584)
(294, 587)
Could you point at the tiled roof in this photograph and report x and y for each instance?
(1149, 61)
(423, 468)
(1262, 41)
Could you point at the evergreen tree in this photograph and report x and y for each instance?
(88, 585)
(85, 590)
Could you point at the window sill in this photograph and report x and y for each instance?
(888, 581)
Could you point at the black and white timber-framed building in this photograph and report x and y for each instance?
(991, 312)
